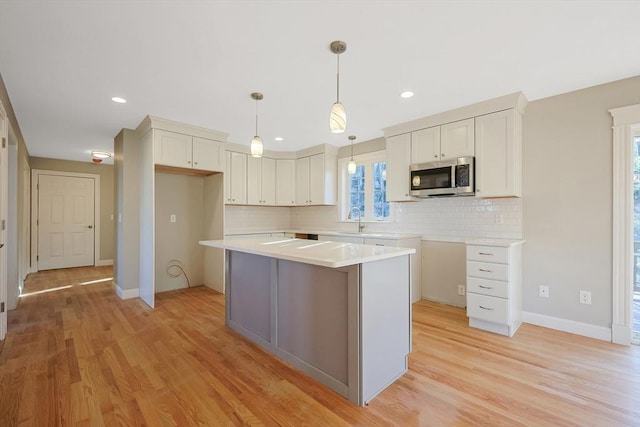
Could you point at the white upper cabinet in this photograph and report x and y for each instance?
(398, 160)
(261, 181)
(172, 149)
(302, 181)
(425, 145)
(186, 151)
(316, 178)
(499, 154)
(457, 139)
(235, 178)
(208, 154)
(285, 182)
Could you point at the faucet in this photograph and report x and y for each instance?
(350, 216)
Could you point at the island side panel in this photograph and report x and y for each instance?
(313, 316)
(385, 323)
(249, 295)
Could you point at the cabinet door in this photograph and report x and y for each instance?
(302, 181)
(171, 149)
(316, 179)
(285, 182)
(207, 154)
(425, 145)
(268, 181)
(398, 160)
(254, 180)
(498, 155)
(457, 139)
(238, 179)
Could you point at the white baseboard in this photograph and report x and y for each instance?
(103, 262)
(565, 325)
(621, 334)
(126, 293)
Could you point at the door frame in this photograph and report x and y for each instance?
(35, 210)
(625, 126)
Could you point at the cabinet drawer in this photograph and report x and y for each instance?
(492, 309)
(380, 242)
(488, 287)
(488, 253)
(488, 270)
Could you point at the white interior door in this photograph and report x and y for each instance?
(66, 229)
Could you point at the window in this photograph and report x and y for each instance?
(366, 189)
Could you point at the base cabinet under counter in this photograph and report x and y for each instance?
(494, 285)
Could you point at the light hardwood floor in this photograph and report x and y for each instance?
(79, 355)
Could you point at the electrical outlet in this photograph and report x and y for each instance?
(461, 290)
(585, 297)
(172, 218)
(499, 218)
(544, 291)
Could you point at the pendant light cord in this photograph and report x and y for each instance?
(352, 149)
(338, 80)
(256, 117)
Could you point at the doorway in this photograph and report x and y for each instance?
(64, 219)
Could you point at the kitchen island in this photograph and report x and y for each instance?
(340, 312)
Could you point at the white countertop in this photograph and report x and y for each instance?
(323, 253)
(364, 234)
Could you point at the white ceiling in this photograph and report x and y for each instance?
(198, 61)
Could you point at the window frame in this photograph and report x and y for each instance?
(367, 159)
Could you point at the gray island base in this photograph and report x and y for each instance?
(339, 312)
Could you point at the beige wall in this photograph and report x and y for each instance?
(106, 194)
(567, 200)
(182, 196)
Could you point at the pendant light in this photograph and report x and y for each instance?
(256, 142)
(338, 116)
(352, 164)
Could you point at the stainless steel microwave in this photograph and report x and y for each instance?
(455, 177)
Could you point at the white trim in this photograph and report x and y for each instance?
(125, 293)
(565, 325)
(35, 175)
(103, 262)
(626, 122)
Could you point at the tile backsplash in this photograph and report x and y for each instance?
(238, 219)
(451, 218)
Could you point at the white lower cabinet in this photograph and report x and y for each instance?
(494, 285)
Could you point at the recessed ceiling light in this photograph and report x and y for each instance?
(279, 138)
(406, 94)
(118, 100)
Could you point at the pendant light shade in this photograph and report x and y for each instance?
(338, 116)
(256, 146)
(351, 168)
(256, 142)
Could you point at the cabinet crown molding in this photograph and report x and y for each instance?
(152, 122)
(515, 100)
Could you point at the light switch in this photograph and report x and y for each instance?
(172, 218)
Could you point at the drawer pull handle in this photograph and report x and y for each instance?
(485, 287)
(485, 253)
(486, 308)
(485, 271)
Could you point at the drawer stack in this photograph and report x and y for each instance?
(494, 285)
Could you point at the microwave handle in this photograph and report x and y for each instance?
(454, 184)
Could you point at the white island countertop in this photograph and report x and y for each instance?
(322, 253)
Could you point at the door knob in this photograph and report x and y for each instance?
(91, 226)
